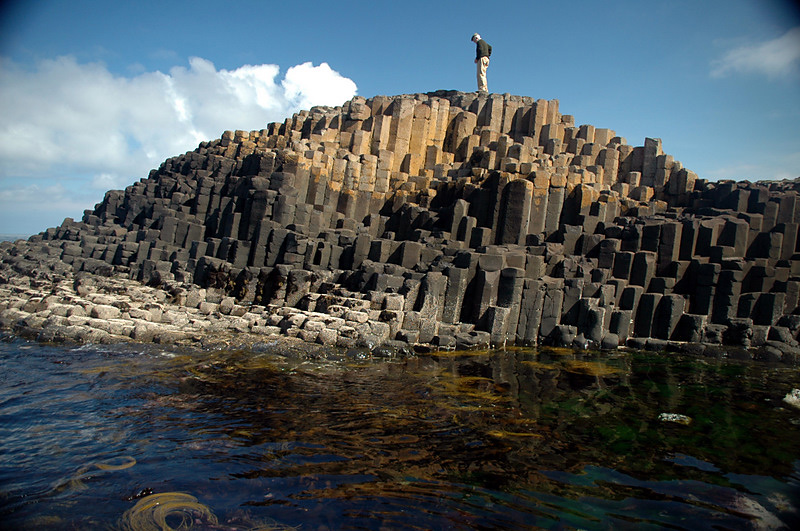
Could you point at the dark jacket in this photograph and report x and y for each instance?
(482, 49)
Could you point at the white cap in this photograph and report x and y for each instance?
(475, 37)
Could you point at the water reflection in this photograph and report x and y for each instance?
(516, 438)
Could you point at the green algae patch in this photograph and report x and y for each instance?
(539, 365)
(591, 368)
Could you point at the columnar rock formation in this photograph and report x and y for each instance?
(454, 219)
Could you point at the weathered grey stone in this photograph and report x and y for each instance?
(667, 315)
(591, 320)
(645, 314)
(515, 212)
(102, 311)
(739, 332)
(530, 317)
(327, 336)
(563, 335)
(620, 324)
(551, 308)
(610, 341)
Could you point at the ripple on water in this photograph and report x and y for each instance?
(132, 436)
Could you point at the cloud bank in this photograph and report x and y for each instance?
(775, 58)
(71, 131)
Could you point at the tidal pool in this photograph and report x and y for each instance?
(147, 437)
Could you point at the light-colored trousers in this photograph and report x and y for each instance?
(483, 64)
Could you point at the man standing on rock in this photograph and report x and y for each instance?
(482, 52)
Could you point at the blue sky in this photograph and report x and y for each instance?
(95, 94)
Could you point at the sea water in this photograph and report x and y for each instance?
(147, 436)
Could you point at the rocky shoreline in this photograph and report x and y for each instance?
(444, 220)
(46, 301)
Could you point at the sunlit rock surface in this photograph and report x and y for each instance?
(446, 219)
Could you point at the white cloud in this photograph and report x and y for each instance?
(108, 181)
(774, 58)
(64, 118)
(307, 85)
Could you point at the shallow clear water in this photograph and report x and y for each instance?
(108, 436)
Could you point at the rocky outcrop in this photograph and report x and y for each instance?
(451, 220)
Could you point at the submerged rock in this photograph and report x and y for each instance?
(676, 418)
(793, 398)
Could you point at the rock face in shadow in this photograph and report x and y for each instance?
(447, 219)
